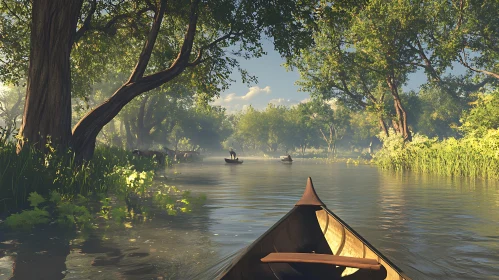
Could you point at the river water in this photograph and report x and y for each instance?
(431, 227)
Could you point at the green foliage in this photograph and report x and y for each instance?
(27, 219)
(14, 39)
(69, 214)
(469, 156)
(63, 212)
(483, 116)
(110, 36)
(317, 123)
(31, 171)
(110, 173)
(433, 112)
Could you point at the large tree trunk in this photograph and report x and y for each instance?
(399, 109)
(47, 109)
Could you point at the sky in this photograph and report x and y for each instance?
(275, 85)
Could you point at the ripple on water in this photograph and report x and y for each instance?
(432, 227)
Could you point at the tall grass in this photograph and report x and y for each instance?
(469, 157)
(31, 171)
(52, 187)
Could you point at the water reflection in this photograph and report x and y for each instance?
(432, 227)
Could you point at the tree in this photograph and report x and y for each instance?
(361, 130)
(465, 31)
(252, 128)
(211, 27)
(303, 134)
(330, 123)
(434, 112)
(11, 99)
(209, 126)
(275, 122)
(151, 117)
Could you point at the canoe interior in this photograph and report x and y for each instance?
(307, 229)
(344, 241)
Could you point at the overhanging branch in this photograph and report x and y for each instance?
(145, 55)
(199, 59)
(86, 23)
(462, 59)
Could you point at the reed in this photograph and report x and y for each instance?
(467, 157)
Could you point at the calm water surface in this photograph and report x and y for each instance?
(431, 227)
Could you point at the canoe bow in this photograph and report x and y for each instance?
(311, 242)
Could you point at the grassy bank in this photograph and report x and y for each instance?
(38, 188)
(471, 156)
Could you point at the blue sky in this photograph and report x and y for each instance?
(275, 84)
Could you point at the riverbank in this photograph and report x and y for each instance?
(55, 212)
(51, 189)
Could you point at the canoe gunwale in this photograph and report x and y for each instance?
(366, 243)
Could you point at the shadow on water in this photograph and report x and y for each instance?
(163, 247)
(40, 255)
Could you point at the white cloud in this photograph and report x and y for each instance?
(252, 93)
(234, 102)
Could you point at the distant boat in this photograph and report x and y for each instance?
(233, 161)
(311, 242)
(286, 159)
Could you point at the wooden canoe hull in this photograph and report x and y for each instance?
(233, 161)
(309, 228)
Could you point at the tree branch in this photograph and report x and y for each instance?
(355, 97)
(428, 64)
(12, 12)
(182, 60)
(145, 55)
(198, 60)
(462, 59)
(86, 23)
(106, 28)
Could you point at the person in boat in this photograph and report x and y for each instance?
(232, 154)
(289, 158)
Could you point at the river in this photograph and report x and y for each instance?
(432, 227)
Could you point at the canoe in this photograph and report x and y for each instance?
(287, 161)
(310, 242)
(236, 161)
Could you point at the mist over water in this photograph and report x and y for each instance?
(431, 227)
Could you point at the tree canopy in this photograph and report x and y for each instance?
(91, 36)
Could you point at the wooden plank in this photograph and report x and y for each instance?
(321, 258)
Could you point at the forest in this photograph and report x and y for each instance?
(81, 92)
